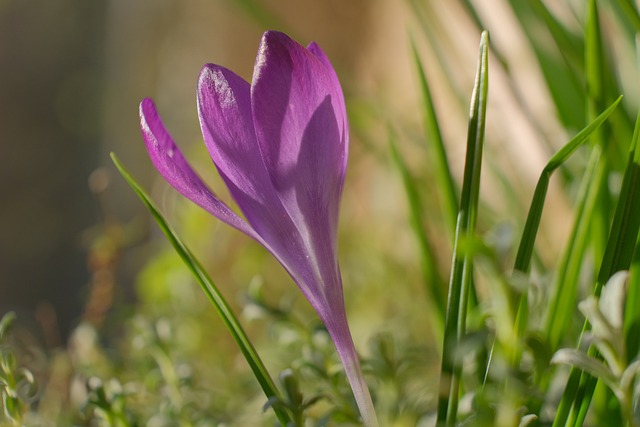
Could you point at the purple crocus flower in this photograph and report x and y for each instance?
(280, 145)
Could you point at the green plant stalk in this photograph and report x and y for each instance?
(462, 265)
(211, 291)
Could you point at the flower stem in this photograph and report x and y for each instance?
(346, 350)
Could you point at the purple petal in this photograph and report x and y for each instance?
(169, 161)
(298, 113)
(224, 109)
(227, 125)
(339, 104)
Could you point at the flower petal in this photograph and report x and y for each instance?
(226, 120)
(224, 109)
(338, 102)
(298, 113)
(169, 161)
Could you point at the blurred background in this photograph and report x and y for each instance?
(72, 73)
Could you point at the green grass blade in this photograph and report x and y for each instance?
(561, 64)
(565, 286)
(618, 256)
(525, 250)
(627, 11)
(626, 220)
(632, 311)
(632, 308)
(527, 242)
(599, 84)
(435, 143)
(214, 295)
(462, 269)
(573, 396)
(432, 280)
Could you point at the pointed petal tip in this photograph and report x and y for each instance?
(212, 75)
(149, 119)
(146, 105)
(274, 43)
(314, 47)
(208, 70)
(273, 36)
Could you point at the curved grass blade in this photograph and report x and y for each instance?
(527, 242)
(210, 289)
(462, 269)
(525, 250)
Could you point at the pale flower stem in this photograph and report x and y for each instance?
(346, 350)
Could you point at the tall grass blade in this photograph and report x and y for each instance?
(618, 256)
(210, 289)
(561, 64)
(629, 12)
(435, 144)
(569, 408)
(527, 242)
(462, 268)
(525, 250)
(632, 311)
(565, 285)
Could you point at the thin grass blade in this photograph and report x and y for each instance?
(527, 242)
(525, 249)
(462, 268)
(210, 289)
(618, 256)
(632, 311)
(629, 13)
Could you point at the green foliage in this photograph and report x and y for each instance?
(17, 384)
